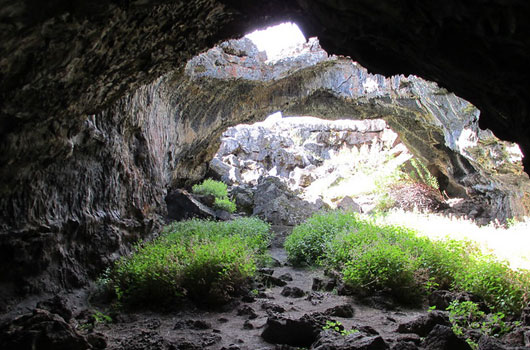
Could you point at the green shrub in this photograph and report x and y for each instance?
(495, 283)
(225, 204)
(211, 187)
(204, 260)
(382, 267)
(217, 189)
(396, 260)
(308, 240)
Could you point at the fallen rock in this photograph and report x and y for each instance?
(442, 298)
(272, 308)
(345, 311)
(97, 340)
(424, 324)
(489, 343)
(331, 340)
(404, 345)
(443, 338)
(300, 332)
(41, 330)
(347, 203)
(56, 305)
(277, 204)
(246, 310)
(292, 292)
(286, 277)
(273, 281)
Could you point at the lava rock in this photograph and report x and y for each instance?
(345, 311)
(331, 340)
(489, 343)
(56, 305)
(41, 330)
(424, 324)
(443, 338)
(97, 340)
(273, 281)
(272, 308)
(442, 298)
(404, 345)
(292, 292)
(286, 277)
(300, 332)
(246, 310)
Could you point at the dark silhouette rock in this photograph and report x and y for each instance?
(292, 292)
(424, 324)
(345, 311)
(41, 330)
(300, 332)
(331, 340)
(443, 338)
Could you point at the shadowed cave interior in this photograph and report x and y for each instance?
(98, 130)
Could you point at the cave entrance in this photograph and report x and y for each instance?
(440, 129)
(359, 165)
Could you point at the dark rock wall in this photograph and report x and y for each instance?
(66, 220)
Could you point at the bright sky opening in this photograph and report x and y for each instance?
(274, 40)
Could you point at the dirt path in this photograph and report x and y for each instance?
(240, 325)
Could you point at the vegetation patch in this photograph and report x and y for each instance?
(217, 189)
(206, 261)
(396, 260)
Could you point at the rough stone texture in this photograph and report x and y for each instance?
(41, 330)
(423, 325)
(331, 340)
(87, 151)
(443, 338)
(275, 203)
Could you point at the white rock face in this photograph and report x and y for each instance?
(310, 155)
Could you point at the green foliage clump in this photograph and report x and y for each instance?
(225, 204)
(203, 260)
(217, 189)
(308, 241)
(397, 260)
(467, 316)
(337, 326)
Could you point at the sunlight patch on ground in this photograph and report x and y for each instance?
(274, 40)
(511, 244)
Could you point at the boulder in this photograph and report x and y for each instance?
(443, 338)
(41, 330)
(424, 324)
(275, 203)
(300, 332)
(332, 340)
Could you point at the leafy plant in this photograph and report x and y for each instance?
(308, 240)
(467, 315)
(374, 257)
(204, 260)
(337, 326)
(215, 188)
(225, 204)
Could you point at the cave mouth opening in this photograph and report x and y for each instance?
(277, 41)
(353, 165)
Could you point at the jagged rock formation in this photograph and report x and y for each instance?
(87, 152)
